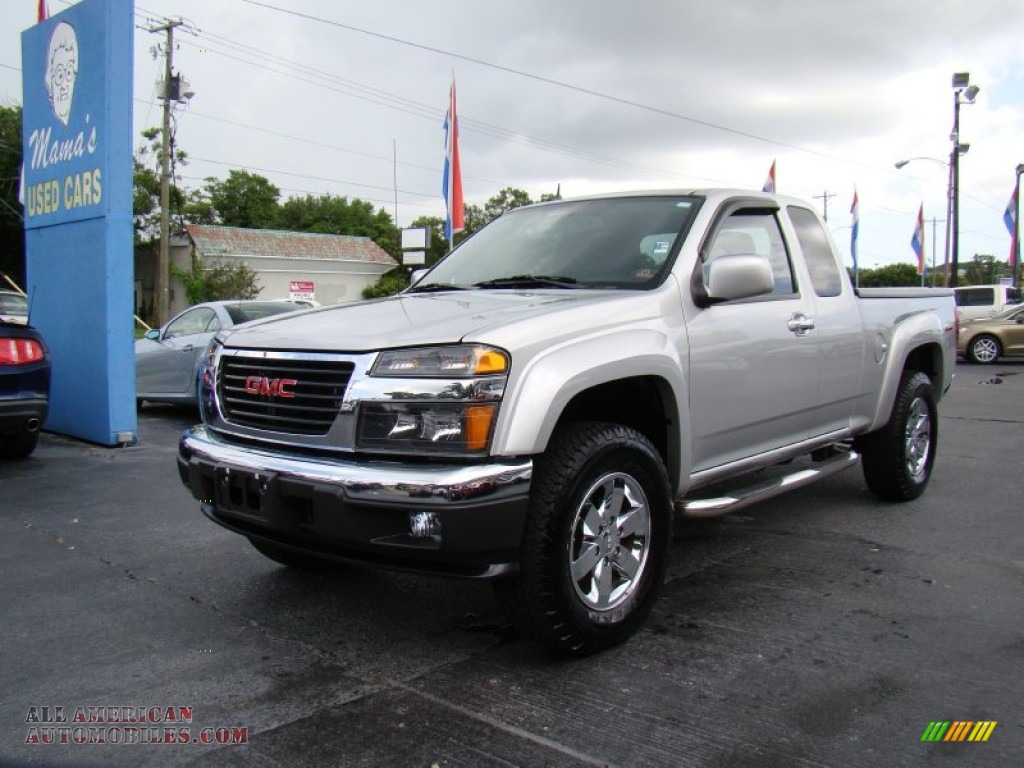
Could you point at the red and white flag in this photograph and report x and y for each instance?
(451, 185)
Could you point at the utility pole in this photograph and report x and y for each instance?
(824, 197)
(934, 221)
(162, 283)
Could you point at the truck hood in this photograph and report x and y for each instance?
(412, 319)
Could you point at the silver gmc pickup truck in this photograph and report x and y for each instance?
(537, 406)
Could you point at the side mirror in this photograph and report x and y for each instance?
(416, 276)
(153, 334)
(739, 276)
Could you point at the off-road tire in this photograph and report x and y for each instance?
(897, 459)
(600, 496)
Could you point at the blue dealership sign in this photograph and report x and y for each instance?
(77, 123)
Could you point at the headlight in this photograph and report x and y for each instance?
(208, 381)
(452, 414)
(454, 361)
(452, 428)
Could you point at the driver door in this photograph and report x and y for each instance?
(169, 364)
(753, 362)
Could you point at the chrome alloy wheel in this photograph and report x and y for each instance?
(985, 349)
(610, 541)
(918, 438)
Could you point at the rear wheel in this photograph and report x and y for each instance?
(897, 459)
(984, 350)
(19, 446)
(292, 558)
(597, 539)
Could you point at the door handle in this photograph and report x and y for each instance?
(190, 347)
(800, 324)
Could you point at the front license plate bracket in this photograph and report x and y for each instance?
(244, 492)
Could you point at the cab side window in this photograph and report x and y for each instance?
(754, 232)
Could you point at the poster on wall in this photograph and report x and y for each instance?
(301, 290)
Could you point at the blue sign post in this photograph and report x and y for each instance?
(77, 125)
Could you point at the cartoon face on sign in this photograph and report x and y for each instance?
(61, 69)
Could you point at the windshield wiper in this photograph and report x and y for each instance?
(527, 281)
(435, 287)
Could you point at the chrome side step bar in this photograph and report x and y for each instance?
(743, 497)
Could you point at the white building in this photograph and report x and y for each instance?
(332, 269)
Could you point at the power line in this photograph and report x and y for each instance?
(308, 176)
(561, 84)
(429, 112)
(313, 193)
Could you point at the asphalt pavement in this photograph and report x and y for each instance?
(823, 628)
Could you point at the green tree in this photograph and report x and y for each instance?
(389, 284)
(146, 192)
(337, 215)
(224, 281)
(198, 208)
(985, 270)
(12, 213)
(890, 275)
(475, 218)
(243, 199)
(506, 200)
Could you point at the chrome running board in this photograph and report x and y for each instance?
(766, 489)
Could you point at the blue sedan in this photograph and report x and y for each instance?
(167, 359)
(24, 388)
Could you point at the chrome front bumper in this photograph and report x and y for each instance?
(341, 508)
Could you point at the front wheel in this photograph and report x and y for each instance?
(597, 539)
(897, 459)
(984, 350)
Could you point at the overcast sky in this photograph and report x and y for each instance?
(319, 96)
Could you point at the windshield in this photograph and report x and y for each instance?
(610, 242)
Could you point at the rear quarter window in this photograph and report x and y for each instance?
(821, 261)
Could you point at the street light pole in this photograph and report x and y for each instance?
(969, 93)
(954, 196)
(1016, 227)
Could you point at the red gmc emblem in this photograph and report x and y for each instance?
(261, 385)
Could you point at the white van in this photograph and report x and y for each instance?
(974, 301)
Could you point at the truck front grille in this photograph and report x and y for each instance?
(295, 396)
